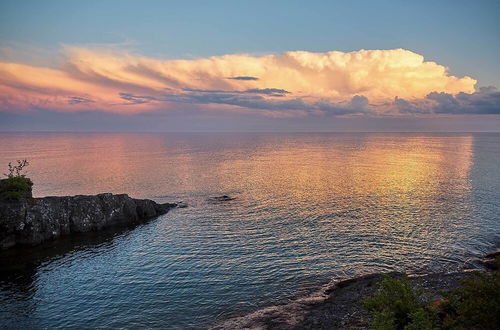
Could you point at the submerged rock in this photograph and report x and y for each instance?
(182, 205)
(31, 221)
(223, 198)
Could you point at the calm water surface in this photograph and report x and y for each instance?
(308, 208)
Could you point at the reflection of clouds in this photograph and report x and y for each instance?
(308, 165)
(415, 172)
(374, 166)
(395, 198)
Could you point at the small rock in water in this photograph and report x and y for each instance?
(223, 198)
(181, 205)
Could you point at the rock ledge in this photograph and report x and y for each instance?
(32, 221)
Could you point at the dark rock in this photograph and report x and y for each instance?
(32, 221)
(223, 198)
(492, 255)
(182, 205)
(491, 264)
(490, 260)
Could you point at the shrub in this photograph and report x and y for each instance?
(396, 305)
(17, 185)
(476, 305)
(15, 188)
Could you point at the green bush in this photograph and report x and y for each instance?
(474, 306)
(17, 185)
(14, 188)
(396, 305)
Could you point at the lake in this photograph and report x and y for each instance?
(308, 208)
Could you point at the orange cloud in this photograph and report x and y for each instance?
(117, 81)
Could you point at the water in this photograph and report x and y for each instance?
(308, 208)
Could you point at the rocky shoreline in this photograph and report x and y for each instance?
(337, 305)
(32, 221)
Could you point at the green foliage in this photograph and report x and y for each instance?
(476, 305)
(17, 184)
(15, 187)
(396, 305)
(11, 195)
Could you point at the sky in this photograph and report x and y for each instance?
(249, 66)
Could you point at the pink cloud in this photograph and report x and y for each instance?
(298, 82)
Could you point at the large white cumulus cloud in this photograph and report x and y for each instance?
(299, 82)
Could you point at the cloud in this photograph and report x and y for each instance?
(359, 102)
(365, 81)
(252, 100)
(268, 91)
(79, 99)
(484, 101)
(136, 99)
(243, 78)
(403, 106)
